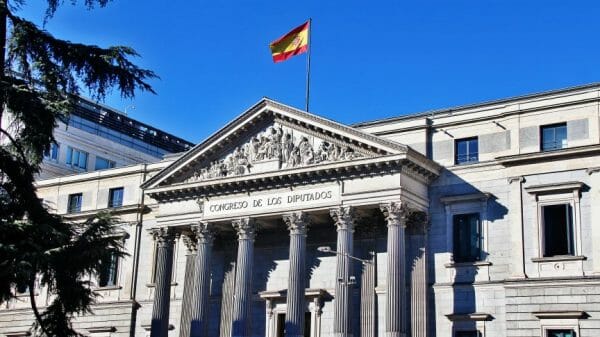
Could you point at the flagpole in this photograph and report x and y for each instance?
(308, 62)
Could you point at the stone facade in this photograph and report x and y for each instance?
(363, 234)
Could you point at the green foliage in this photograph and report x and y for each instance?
(38, 86)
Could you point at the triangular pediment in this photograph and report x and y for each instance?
(272, 137)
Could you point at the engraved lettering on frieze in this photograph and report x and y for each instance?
(278, 147)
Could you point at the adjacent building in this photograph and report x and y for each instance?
(471, 221)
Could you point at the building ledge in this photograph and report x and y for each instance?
(569, 186)
(475, 316)
(451, 199)
(560, 314)
(113, 210)
(467, 264)
(559, 258)
(107, 288)
(540, 157)
(102, 329)
(281, 294)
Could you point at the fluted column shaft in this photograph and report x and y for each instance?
(188, 286)
(294, 316)
(246, 231)
(199, 314)
(344, 221)
(162, 292)
(395, 315)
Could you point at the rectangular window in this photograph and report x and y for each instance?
(74, 204)
(108, 272)
(557, 223)
(560, 333)
(102, 164)
(554, 136)
(22, 288)
(51, 152)
(467, 237)
(76, 158)
(466, 150)
(115, 197)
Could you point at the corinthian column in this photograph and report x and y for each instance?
(246, 231)
(188, 285)
(395, 310)
(165, 238)
(199, 314)
(294, 317)
(344, 220)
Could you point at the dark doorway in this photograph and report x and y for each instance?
(281, 324)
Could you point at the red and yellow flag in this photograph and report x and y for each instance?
(291, 44)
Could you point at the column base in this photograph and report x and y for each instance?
(342, 334)
(394, 334)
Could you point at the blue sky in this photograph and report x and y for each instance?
(370, 59)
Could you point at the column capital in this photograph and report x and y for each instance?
(519, 179)
(164, 236)
(189, 239)
(297, 222)
(203, 232)
(395, 213)
(343, 217)
(245, 228)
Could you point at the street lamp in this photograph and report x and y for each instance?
(327, 249)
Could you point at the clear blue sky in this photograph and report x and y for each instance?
(370, 59)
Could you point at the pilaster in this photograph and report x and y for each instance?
(516, 227)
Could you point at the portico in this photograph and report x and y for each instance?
(281, 182)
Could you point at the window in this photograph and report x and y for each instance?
(554, 137)
(467, 237)
(108, 271)
(102, 163)
(74, 204)
(76, 158)
(51, 152)
(558, 230)
(560, 333)
(466, 151)
(115, 197)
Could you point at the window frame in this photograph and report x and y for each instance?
(542, 223)
(108, 161)
(468, 154)
(50, 153)
(467, 259)
(554, 126)
(73, 153)
(69, 200)
(117, 267)
(110, 197)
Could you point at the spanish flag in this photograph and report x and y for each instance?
(291, 44)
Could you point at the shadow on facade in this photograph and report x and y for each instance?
(460, 275)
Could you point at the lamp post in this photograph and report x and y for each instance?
(351, 279)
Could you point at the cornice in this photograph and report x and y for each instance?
(544, 156)
(292, 177)
(136, 208)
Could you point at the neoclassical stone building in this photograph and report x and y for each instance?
(472, 221)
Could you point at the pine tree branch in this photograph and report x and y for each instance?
(34, 307)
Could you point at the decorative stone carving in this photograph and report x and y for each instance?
(164, 236)
(287, 147)
(245, 228)
(343, 217)
(395, 213)
(203, 232)
(297, 222)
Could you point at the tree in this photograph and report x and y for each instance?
(40, 77)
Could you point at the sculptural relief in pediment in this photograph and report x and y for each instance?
(275, 147)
